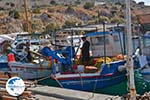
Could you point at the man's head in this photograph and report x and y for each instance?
(83, 38)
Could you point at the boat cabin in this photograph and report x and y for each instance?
(113, 44)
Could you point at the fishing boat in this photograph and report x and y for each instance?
(29, 70)
(142, 55)
(25, 70)
(14, 57)
(38, 68)
(144, 68)
(108, 76)
(71, 75)
(145, 48)
(144, 58)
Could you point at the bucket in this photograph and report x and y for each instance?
(11, 57)
(80, 68)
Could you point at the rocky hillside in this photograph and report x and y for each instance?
(47, 15)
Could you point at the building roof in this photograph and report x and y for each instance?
(142, 14)
(144, 18)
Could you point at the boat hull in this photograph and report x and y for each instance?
(91, 82)
(3, 64)
(29, 70)
(146, 74)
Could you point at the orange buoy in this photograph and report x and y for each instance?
(119, 57)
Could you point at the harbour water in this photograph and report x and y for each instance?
(118, 89)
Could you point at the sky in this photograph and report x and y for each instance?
(147, 2)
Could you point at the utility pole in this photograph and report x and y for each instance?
(129, 65)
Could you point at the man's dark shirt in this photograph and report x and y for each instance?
(85, 51)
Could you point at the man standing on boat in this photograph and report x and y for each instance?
(85, 51)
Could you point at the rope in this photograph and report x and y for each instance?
(81, 81)
(94, 88)
(112, 98)
(50, 76)
(57, 81)
(43, 78)
(36, 81)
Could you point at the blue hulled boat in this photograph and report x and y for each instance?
(88, 78)
(108, 76)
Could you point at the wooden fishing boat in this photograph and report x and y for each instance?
(28, 70)
(144, 67)
(71, 75)
(143, 59)
(146, 70)
(108, 76)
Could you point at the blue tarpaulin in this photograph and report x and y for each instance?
(100, 33)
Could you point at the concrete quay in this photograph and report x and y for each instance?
(56, 93)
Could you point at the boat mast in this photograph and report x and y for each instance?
(26, 15)
(129, 65)
(104, 42)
